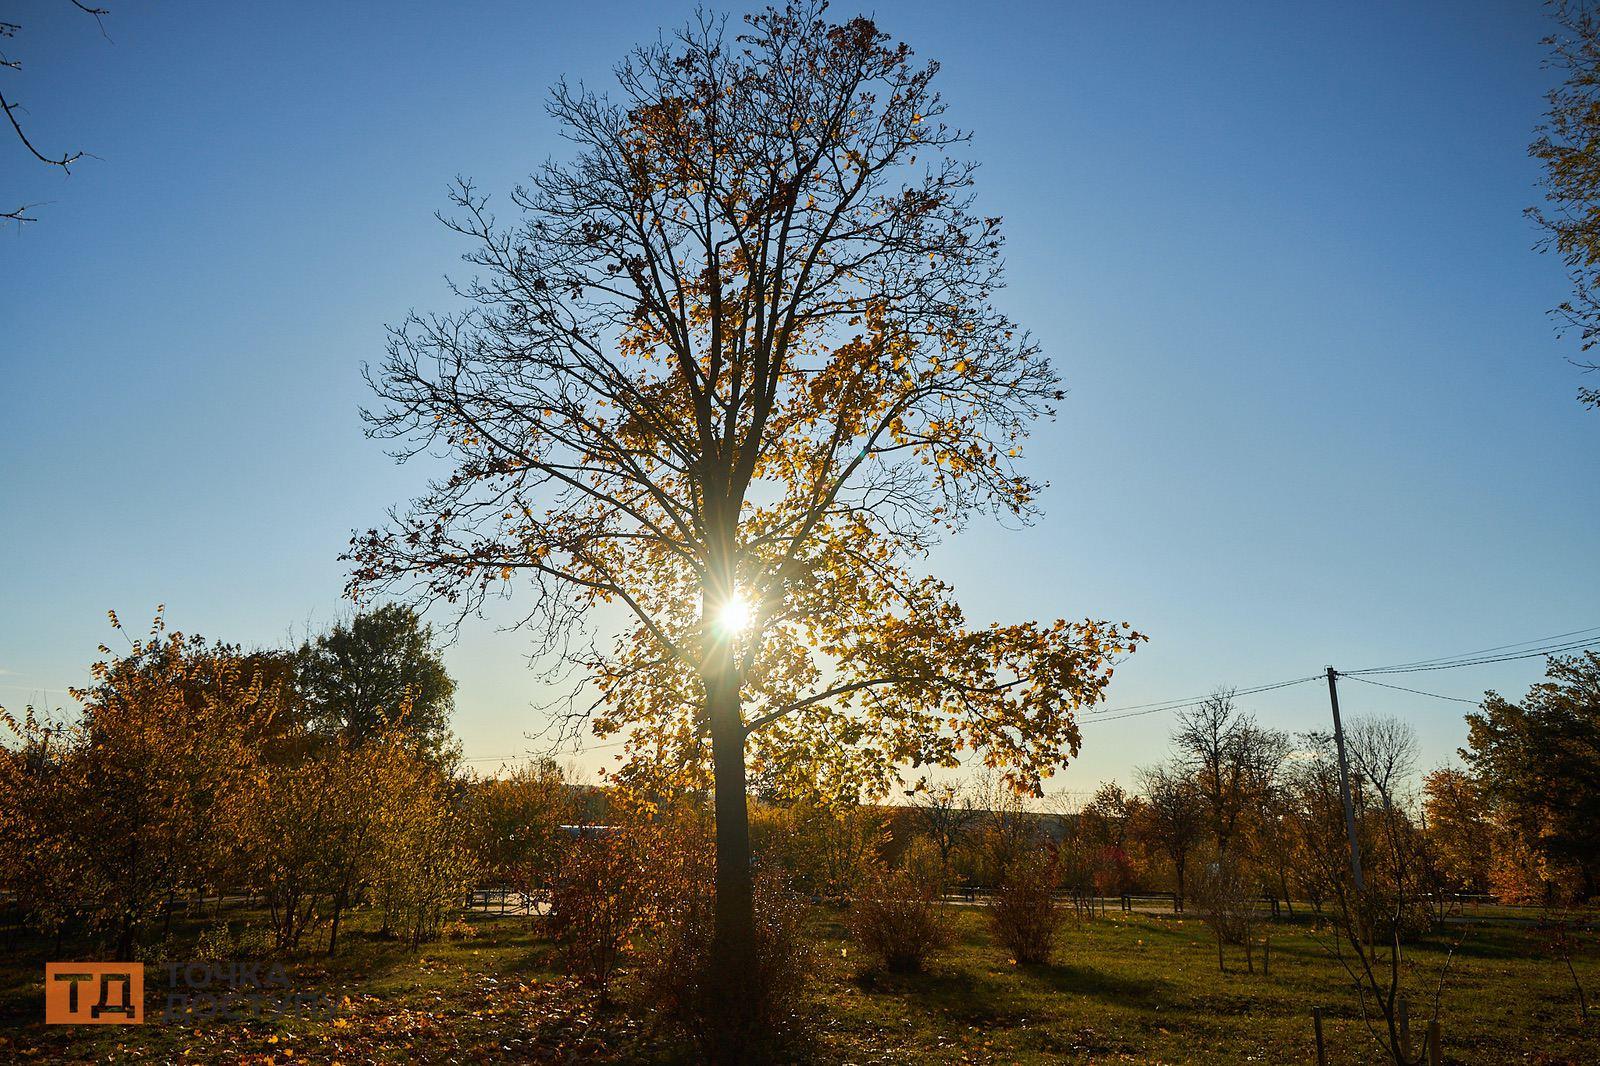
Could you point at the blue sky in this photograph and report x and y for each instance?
(1318, 413)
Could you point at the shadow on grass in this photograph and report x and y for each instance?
(1085, 981)
(954, 993)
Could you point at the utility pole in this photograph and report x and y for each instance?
(1344, 781)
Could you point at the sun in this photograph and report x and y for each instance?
(734, 616)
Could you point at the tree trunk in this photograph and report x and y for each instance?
(333, 930)
(733, 953)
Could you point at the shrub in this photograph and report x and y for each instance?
(676, 979)
(1024, 914)
(219, 943)
(896, 918)
(424, 865)
(1226, 897)
(214, 945)
(598, 900)
(457, 930)
(253, 942)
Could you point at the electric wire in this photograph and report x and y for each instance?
(1418, 691)
(1558, 641)
(1456, 664)
(1551, 645)
(1112, 714)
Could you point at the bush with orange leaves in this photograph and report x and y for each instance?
(600, 896)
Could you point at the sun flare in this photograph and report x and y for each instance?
(734, 616)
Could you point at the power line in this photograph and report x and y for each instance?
(1551, 645)
(526, 755)
(1498, 647)
(1547, 645)
(1417, 691)
(1112, 714)
(1537, 653)
(1446, 662)
(1197, 700)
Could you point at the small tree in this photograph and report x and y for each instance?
(1374, 917)
(1226, 897)
(1172, 818)
(948, 814)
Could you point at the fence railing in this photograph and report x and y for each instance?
(504, 900)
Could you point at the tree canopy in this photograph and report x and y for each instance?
(378, 671)
(1538, 763)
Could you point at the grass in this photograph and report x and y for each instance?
(1123, 988)
(1141, 988)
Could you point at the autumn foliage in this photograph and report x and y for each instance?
(193, 771)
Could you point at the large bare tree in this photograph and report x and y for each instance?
(732, 371)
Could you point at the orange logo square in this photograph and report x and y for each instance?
(93, 993)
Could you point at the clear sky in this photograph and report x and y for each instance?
(1318, 413)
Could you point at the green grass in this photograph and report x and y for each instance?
(1147, 989)
(1122, 989)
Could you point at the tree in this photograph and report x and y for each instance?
(1172, 816)
(1233, 761)
(948, 813)
(126, 810)
(1568, 145)
(380, 671)
(732, 374)
(37, 799)
(1538, 763)
(1458, 828)
(9, 30)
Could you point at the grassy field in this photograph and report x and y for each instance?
(1125, 988)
